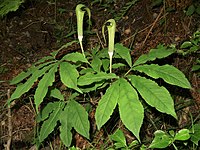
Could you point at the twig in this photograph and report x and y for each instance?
(9, 124)
(154, 23)
(32, 24)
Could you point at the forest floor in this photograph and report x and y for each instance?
(40, 27)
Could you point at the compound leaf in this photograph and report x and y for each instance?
(80, 118)
(107, 104)
(32, 70)
(168, 73)
(130, 108)
(23, 88)
(42, 89)
(69, 75)
(154, 95)
(160, 52)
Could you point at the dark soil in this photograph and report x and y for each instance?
(39, 27)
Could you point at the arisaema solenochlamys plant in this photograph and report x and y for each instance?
(80, 11)
(111, 26)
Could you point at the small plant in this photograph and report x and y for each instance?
(163, 139)
(7, 6)
(192, 47)
(120, 141)
(81, 74)
(193, 9)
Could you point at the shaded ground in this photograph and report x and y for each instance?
(38, 28)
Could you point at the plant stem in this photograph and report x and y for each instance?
(174, 146)
(110, 55)
(127, 72)
(81, 44)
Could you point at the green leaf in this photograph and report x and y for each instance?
(91, 87)
(195, 137)
(66, 126)
(197, 10)
(154, 95)
(107, 104)
(23, 88)
(49, 124)
(119, 137)
(54, 53)
(194, 49)
(161, 140)
(42, 89)
(56, 94)
(133, 143)
(105, 63)
(44, 64)
(190, 10)
(86, 70)
(130, 108)
(7, 6)
(168, 73)
(96, 64)
(182, 135)
(158, 53)
(91, 78)
(124, 53)
(75, 57)
(80, 118)
(21, 76)
(44, 113)
(156, 3)
(30, 71)
(195, 67)
(103, 53)
(69, 75)
(73, 148)
(117, 65)
(186, 44)
(44, 59)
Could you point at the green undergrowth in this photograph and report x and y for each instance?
(63, 88)
(7, 6)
